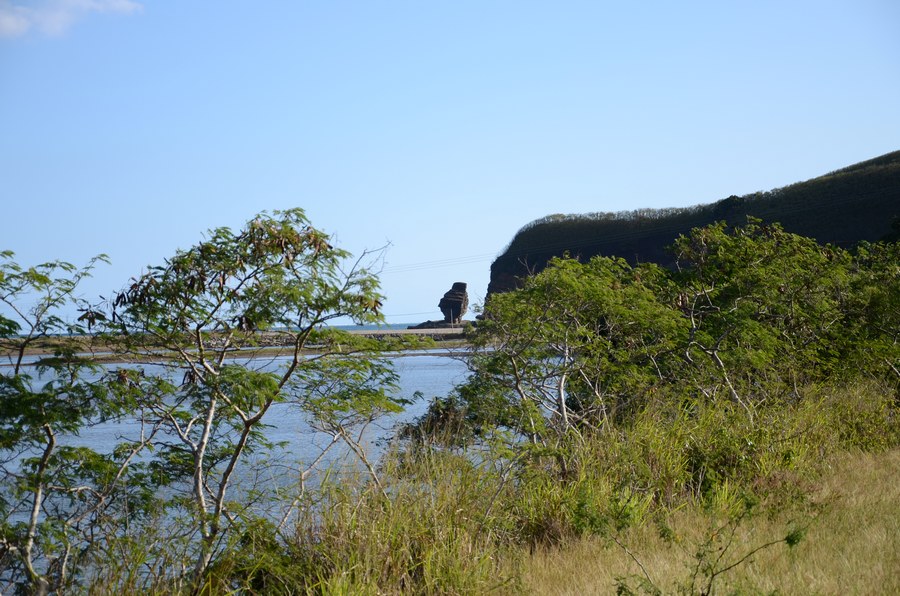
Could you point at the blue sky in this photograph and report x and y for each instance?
(130, 127)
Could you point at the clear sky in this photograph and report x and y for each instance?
(130, 127)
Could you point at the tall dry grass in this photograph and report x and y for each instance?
(632, 515)
(852, 545)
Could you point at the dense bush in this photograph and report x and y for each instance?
(625, 390)
(605, 396)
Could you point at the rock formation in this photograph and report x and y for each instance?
(454, 303)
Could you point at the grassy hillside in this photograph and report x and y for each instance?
(859, 202)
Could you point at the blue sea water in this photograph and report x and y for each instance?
(271, 479)
(422, 376)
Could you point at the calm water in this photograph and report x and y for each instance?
(432, 374)
(429, 373)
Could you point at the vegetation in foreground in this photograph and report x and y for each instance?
(614, 413)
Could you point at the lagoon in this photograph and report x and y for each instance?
(422, 375)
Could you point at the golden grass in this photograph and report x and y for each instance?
(852, 547)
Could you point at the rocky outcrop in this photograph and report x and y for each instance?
(454, 303)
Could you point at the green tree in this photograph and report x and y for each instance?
(763, 306)
(202, 314)
(753, 313)
(54, 493)
(871, 335)
(574, 350)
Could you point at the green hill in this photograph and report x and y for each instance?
(859, 202)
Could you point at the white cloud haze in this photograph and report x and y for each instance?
(54, 17)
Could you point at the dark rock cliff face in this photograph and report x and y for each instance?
(860, 202)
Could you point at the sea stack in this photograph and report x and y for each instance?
(454, 303)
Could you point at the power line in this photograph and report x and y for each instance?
(411, 314)
(662, 227)
(410, 267)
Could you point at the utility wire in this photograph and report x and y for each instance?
(606, 239)
(647, 226)
(409, 267)
(411, 314)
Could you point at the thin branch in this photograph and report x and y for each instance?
(636, 560)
